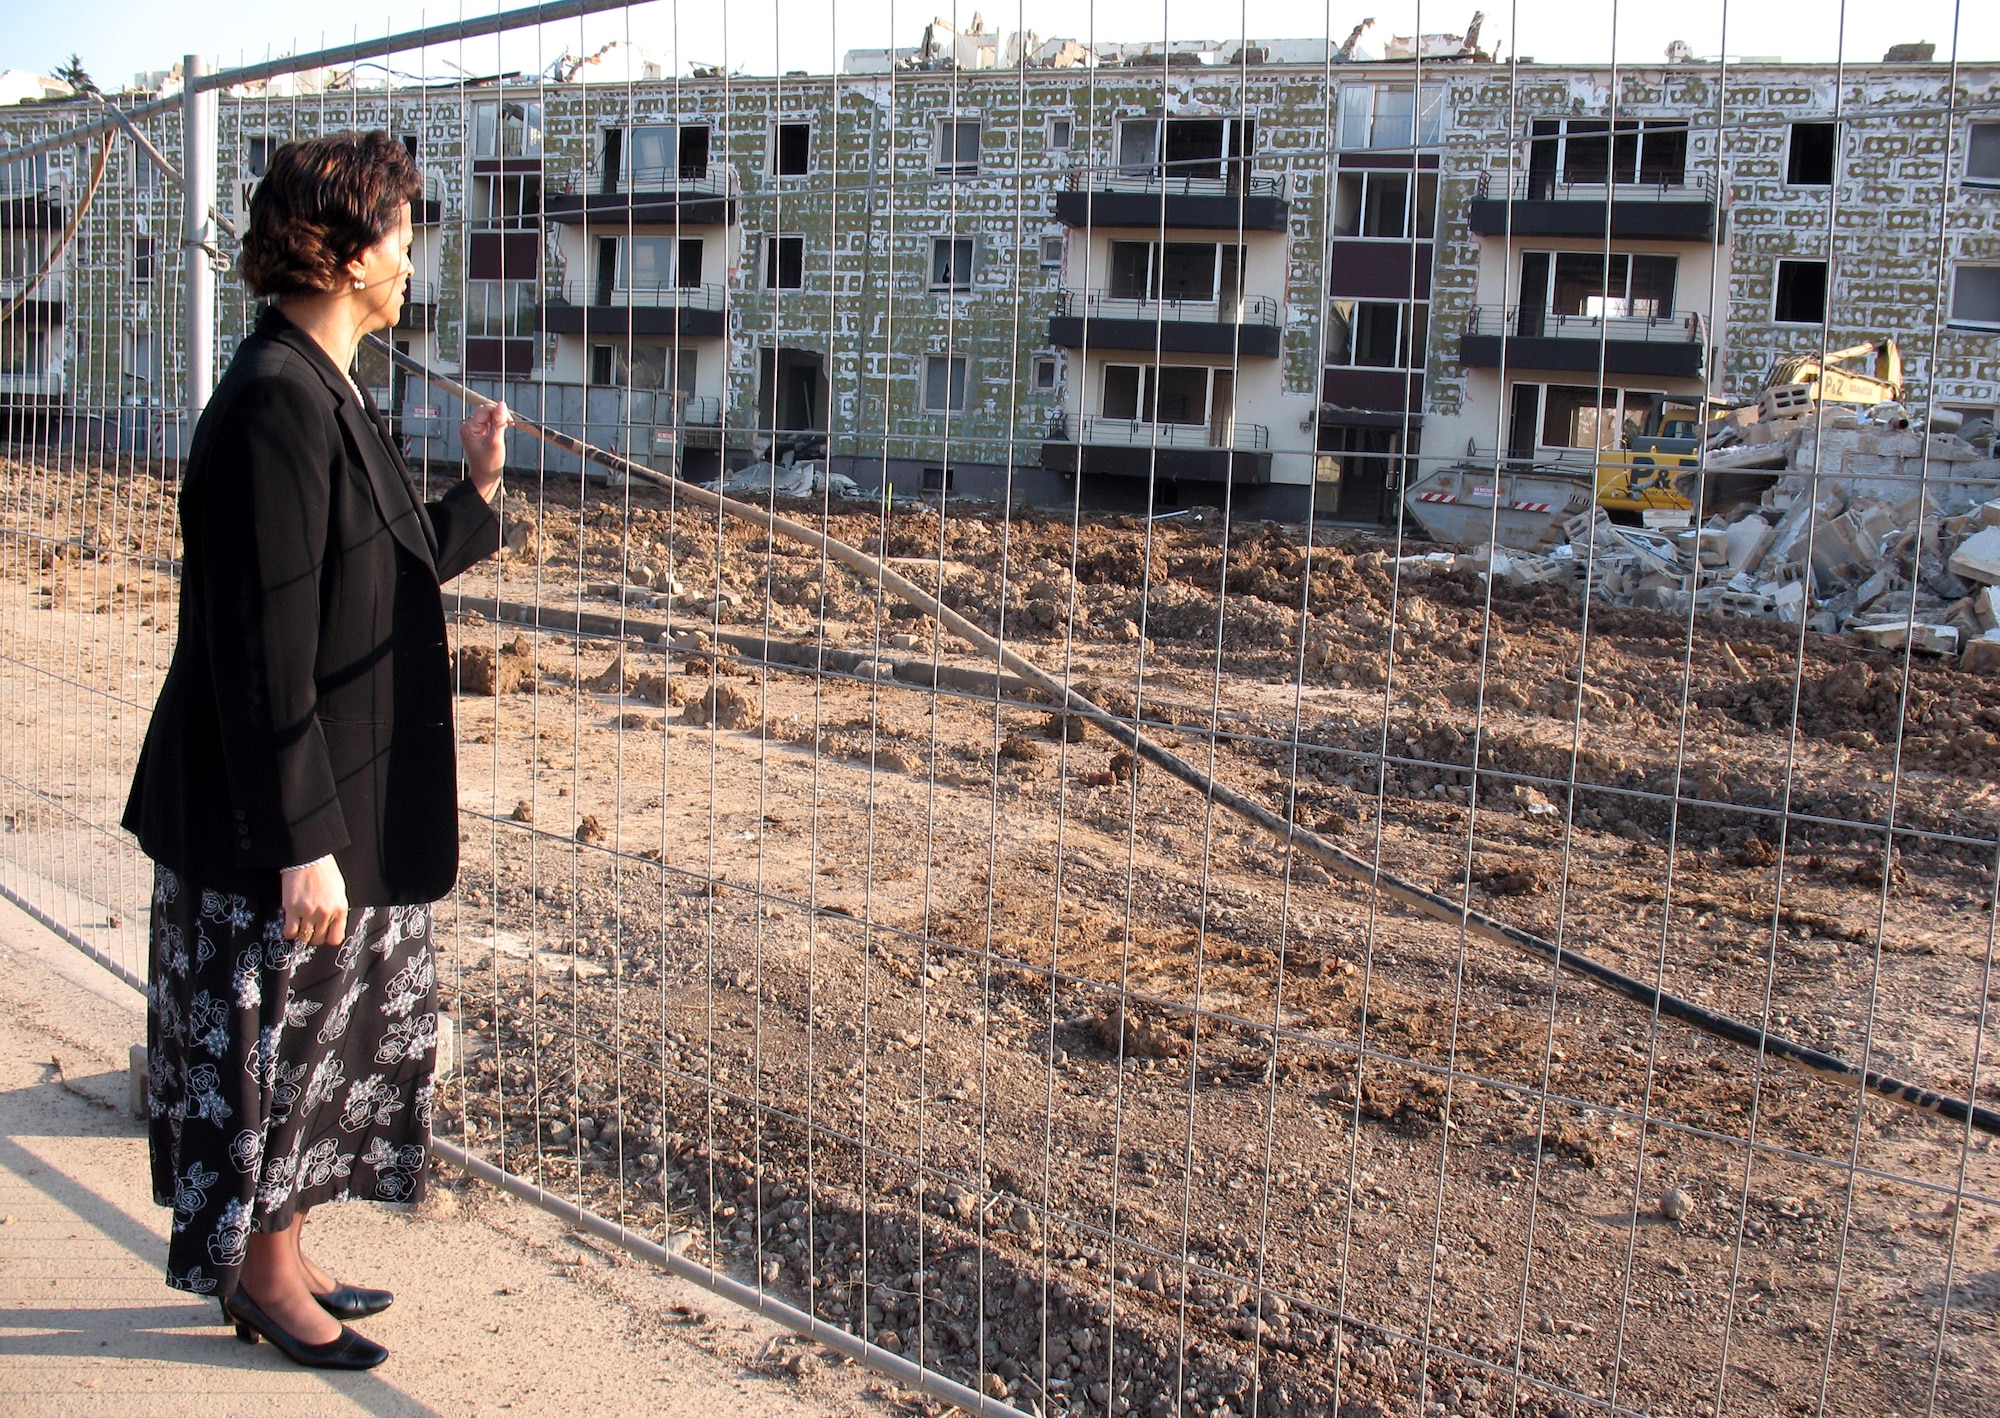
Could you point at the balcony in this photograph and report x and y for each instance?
(1244, 326)
(1529, 337)
(1538, 204)
(1219, 451)
(420, 302)
(645, 197)
(1152, 197)
(44, 299)
(32, 204)
(587, 307)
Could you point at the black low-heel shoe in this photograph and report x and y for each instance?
(348, 1351)
(351, 1302)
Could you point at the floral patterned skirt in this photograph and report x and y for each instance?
(280, 1076)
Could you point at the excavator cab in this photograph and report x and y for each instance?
(1639, 478)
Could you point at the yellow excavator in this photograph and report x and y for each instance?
(1639, 478)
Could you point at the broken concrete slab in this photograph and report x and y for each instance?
(1978, 557)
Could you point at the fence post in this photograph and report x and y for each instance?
(198, 142)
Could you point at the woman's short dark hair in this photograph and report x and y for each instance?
(322, 203)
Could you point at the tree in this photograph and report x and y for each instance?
(76, 76)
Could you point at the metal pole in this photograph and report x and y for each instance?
(198, 141)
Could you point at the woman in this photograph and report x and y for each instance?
(297, 787)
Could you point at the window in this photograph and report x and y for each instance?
(24, 352)
(784, 262)
(145, 173)
(653, 157)
(1386, 116)
(20, 256)
(142, 258)
(500, 203)
(791, 150)
(1975, 296)
(939, 479)
(1045, 372)
(1175, 270)
(1187, 149)
(958, 146)
(500, 309)
(142, 358)
(1801, 293)
(1568, 416)
(1810, 158)
(653, 263)
(506, 128)
(1166, 393)
(1593, 151)
(1052, 251)
(944, 384)
(1596, 285)
(257, 150)
(1377, 334)
(1379, 204)
(1060, 132)
(635, 365)
(24, 176)
(951, 263)
(1982, 154)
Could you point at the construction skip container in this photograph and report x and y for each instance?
(1470, 504)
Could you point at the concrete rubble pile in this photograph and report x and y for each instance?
(1862, 525)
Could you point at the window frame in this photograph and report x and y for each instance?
(961, 375)
(1778, 289)
(480, 298)
(1412, 338)
(1968, 178)
(779, 128)
(1053, 367)
(1426, 113)
(1068, 129)
(533, 130)
(1055, 244)
(955, 124)
(1957, 322)
(145, 260)
(623, 250)
(954, 282)
(1792, 152)
(1414, 226)
(773, 264)
(1147, 395)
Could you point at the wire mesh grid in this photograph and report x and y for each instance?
(986, 818)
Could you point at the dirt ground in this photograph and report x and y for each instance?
(937, 1013)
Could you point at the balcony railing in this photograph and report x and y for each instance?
(602, 294)
(420, 292)
(1534, 322)
(1551, 187)
(1137, 433)
(47, 383)
(1243, 310)
(1190, 179)
(715, 179)
(53, 287)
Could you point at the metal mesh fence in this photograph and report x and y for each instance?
(1073, 784)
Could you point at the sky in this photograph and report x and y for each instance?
(119, 38)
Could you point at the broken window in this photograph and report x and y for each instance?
(784, 262)
(507, 201)
(939, 479)
(1052, 251)
(1187, 149)
(1801, 294)
(1380, 204)
(944, 384)
(1169, 393)
(951, 263)
(791, 153)
(958, 146)
(510, 128)
(1175, 270)
(640, 365)
(1975, 296)
(1377, 334)
(1809, 161)
(1982, 154)
(142, 258)
(1574, 417)
(1045, 372)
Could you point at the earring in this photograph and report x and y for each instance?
(361, 285)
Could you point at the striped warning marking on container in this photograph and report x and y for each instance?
(1437, 497)
(1532, 506)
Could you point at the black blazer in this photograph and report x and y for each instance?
(308, 706)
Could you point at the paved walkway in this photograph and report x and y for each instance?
(501, 1307)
